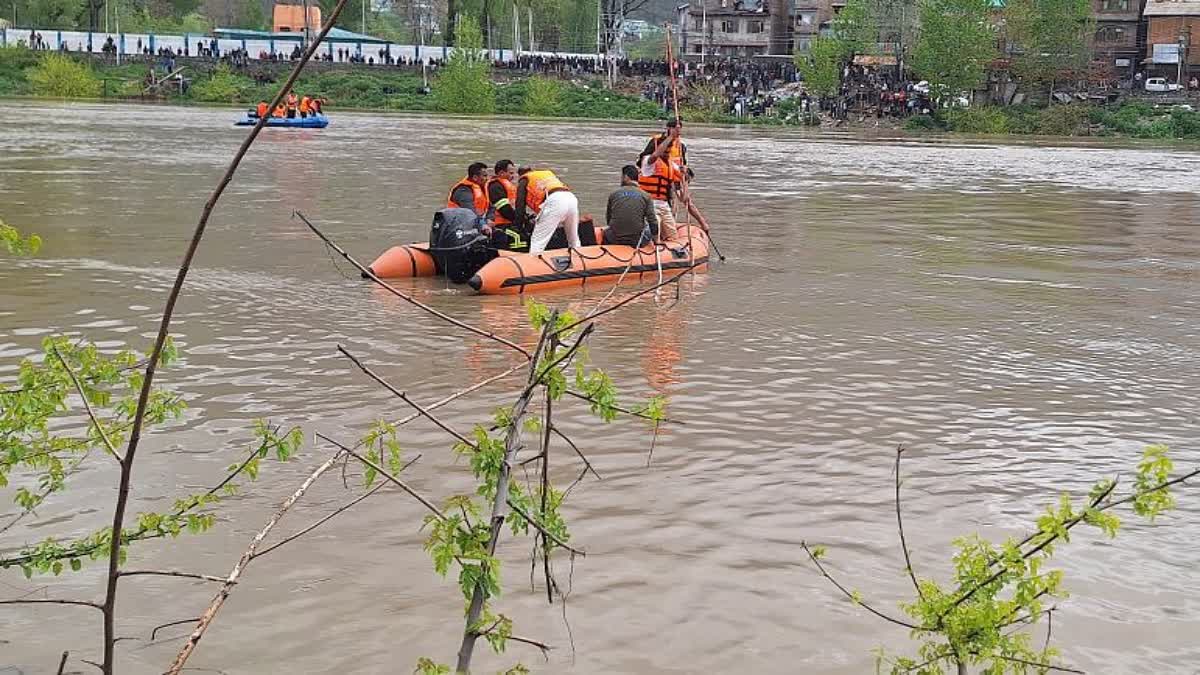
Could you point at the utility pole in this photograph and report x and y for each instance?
(364, 17)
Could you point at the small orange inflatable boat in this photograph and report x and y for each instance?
(415, 260)
(558, 268)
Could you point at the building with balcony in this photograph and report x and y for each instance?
(811, 18)
(735, 28)
(1117, 42)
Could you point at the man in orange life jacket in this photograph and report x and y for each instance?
(468, 193)
(553, 203)
(502, 200)
(662, 176)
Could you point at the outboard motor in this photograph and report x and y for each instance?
(458, 245)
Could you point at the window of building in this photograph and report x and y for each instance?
(1110, 34)
(754, 27)
(697, 49)
(1116, 5)
(729, 26)
(804, 18)
(698, 23)
(803, 45)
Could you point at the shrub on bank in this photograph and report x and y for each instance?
(223, 87)
(60, 76)
(14, 64)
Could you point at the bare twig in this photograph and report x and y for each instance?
(1044, 666)
(635, 296)
(62, 663)
(172, 573)
(854, 596)
(392, 479)
(459, 394)
(53, 601)
(540, 645)
(332, 515)
(209, 614)
(547, 426)
(154, 632)
(538, 526)
(404, 397)
(366, 271)
(587, 464)
(112, 449)
(900, 526)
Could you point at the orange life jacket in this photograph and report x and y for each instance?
(263, 108)
(677, 155)
(541, 184)
(658, 186)
(305, 104)
(510, 199)
(477, 194)
(279, 111)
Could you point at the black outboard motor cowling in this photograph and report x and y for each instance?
(458, 245)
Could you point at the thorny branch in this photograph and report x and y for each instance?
(538, 526)
(87, 405)
(172, 573)
(209, 614)
(367, 273)
(908, 567)
(390, 478)
(854, 596)
(404, 397)
(341, 509)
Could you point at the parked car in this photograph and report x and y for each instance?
(1160, 84)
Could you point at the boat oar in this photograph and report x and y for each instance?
(713, 242)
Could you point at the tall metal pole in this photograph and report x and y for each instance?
(364, 17)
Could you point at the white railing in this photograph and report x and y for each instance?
(190, 44)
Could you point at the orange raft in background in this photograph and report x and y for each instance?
(513, 273)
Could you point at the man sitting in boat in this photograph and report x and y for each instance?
(502, 197)
(630, 213)
(553, 204)
(468, 193)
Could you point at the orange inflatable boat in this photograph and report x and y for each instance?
(415, 260)
(512, 273)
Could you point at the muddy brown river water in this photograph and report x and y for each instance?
(1023, 318)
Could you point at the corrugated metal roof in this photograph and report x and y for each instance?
(1172, 8)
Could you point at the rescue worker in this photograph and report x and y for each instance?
(630, 213)
(263, 108)
(305, 106)
(279, 111)
(468, 193)
(502, 198)
(554, 204)
(318, 105)
(291, 104)
(678, 151)
(658, 177)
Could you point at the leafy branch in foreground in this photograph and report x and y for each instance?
(192, 514)
(31, 441)
(16, 244)
(982, 617)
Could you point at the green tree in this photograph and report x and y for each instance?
(821, 67)
(464, 84)
(1050, 37)
(61, 76)
(957, 42)
(49, 13)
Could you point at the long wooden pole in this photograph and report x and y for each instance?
(683, 186)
